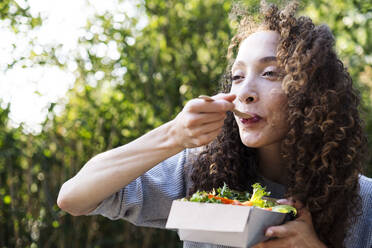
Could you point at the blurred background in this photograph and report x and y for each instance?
(80, 77)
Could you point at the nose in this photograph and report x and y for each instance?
(249, 99)
(248, 94)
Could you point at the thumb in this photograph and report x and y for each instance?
(304, 215)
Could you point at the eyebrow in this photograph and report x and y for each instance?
(267, 59)
(263, 60)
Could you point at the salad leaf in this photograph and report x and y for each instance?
(285, 209)
(225, 191)
(258, 193)
(202, 196)
(228, 196)
(199, 197)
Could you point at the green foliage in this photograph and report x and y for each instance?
(351, 23)
(10, 10)
(202, 197)
(258, 193)
(225, 191)
(177, 56)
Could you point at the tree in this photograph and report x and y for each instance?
(131, 78)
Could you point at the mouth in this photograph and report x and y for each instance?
(254, 119)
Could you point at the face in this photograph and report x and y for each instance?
(257, 85)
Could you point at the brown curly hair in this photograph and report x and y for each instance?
(325, 146)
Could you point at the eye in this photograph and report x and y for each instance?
(270, 74)
(236, 78)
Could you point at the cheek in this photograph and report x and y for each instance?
(277, 108)
(233, 89)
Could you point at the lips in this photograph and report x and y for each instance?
(254, 119)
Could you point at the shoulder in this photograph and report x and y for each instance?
(361, 230)
(360, 233)
(194, 152)
(191, 156)
(365, 184)
(365, 193)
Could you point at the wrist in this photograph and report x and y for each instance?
(172, 136)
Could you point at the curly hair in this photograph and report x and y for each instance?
(325, 146)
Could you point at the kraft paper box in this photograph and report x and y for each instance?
(223, 224)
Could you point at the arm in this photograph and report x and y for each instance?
(197, 124)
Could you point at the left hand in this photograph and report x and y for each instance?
(297, 233)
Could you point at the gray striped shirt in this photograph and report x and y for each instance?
(146, 201)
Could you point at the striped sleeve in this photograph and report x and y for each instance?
(146, 201)
(360, 234)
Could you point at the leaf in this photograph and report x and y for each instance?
(284, 209)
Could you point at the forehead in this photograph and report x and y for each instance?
(257, 45)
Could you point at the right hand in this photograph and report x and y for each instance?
(200, 121)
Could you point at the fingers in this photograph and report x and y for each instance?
(222, 103)
(201, 121)
(196, 120)
(276, 243)
(199, 129)
(298, 204)
(212, 117)
(302, 212)
(281, 231)
(222, 96)
(260, 245)
(304, 215)
(299, 232)
(292, 202)
(288, 201)
(205, 128)
(208, 137)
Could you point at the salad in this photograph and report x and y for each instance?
(225, 195)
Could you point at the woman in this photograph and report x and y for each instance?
(304, 142)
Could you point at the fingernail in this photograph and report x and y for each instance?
(269, 233)
(281, 201)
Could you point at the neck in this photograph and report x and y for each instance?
(271, 164)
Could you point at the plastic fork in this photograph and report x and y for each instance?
(235, 111)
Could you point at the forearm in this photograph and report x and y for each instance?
(196, 125)
(110, 171)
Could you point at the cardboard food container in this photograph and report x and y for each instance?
(223, 224)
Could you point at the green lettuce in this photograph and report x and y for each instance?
(284, 209)
(257, 199)
(258, 193)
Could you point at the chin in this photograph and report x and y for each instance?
(251, 144)
(257, 139)
(249, 141)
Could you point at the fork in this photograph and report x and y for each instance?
(235, 111)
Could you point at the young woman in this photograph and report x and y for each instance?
(304, 142)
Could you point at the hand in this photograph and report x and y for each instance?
(200, 121)
(298, 233)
